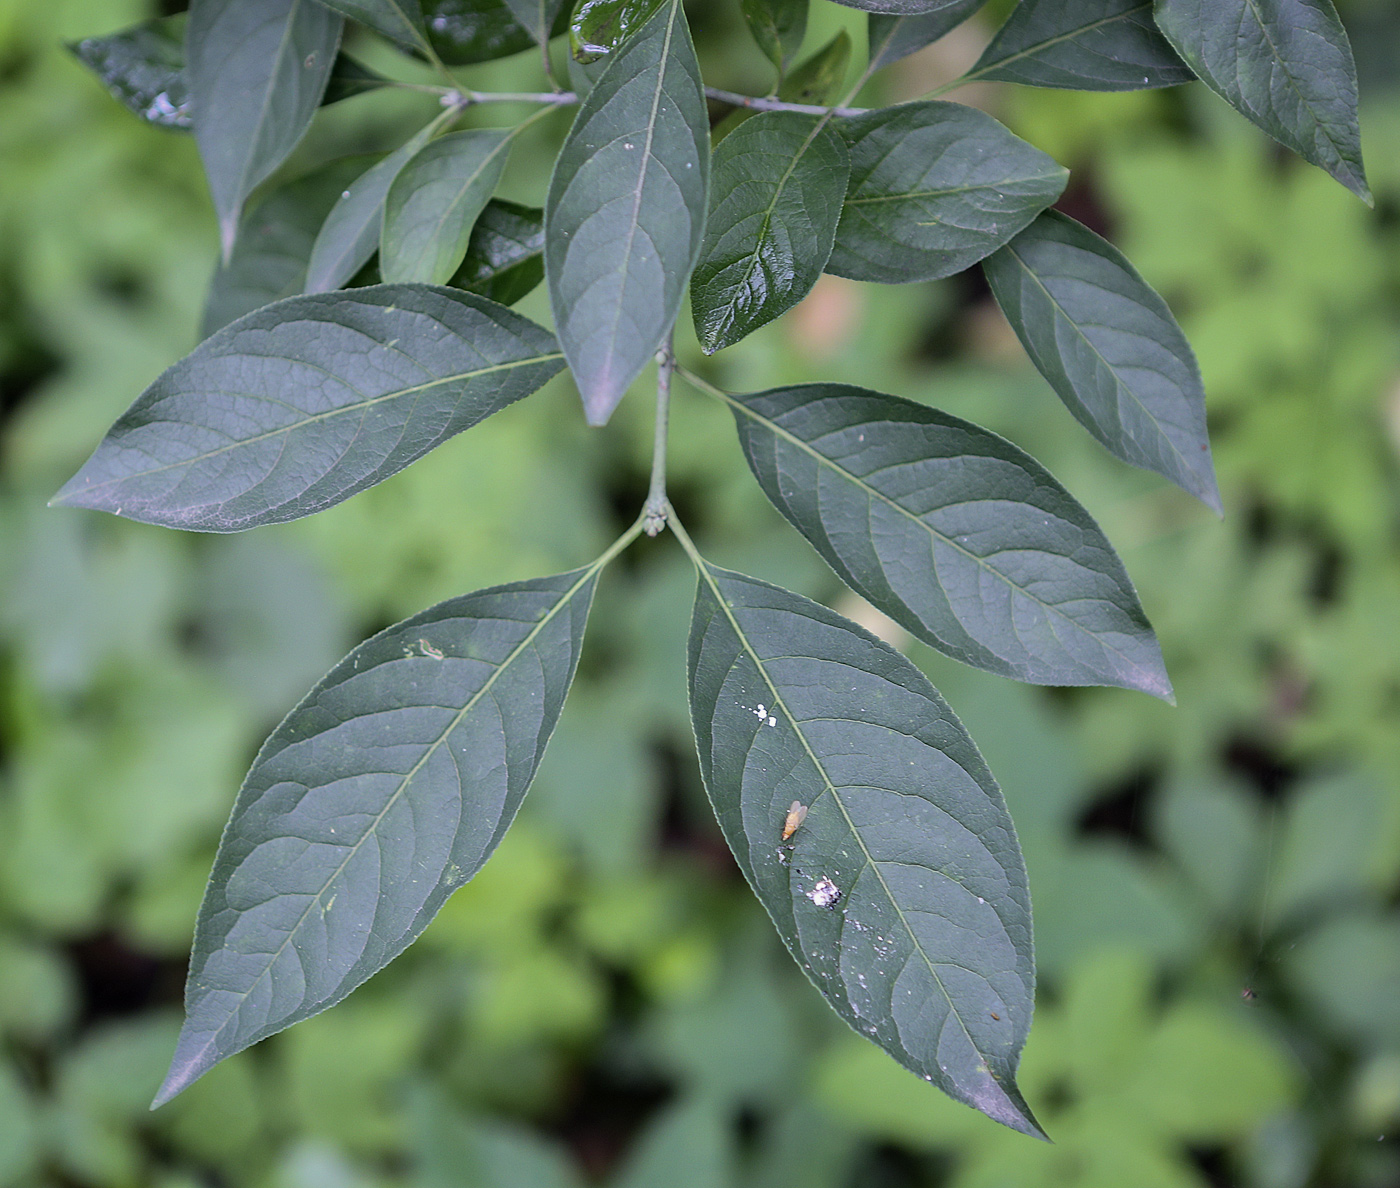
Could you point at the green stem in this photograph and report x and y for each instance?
(657, 509)
(637, 528)
(703, 384)
(753, 103)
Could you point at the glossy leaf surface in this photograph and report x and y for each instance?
(961, 538)
(401, 21)
(302, 404)
(143, 67)
(274, 243)
(256, 71)
(779, 179)
(1284, 64)
(1082, 45)
(626, 210)
(903, 894)
(434, 201)
(505, 255)
(467, 31)
(379, 795)
(934, 188)
(778, 26)
(895, 37)
(1109, 346)
(598, 28)
(350, 234)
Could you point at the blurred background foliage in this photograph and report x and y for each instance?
(1215, 885)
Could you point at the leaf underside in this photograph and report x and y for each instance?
(1082, 45)
(895, 37)
(626, 210)
(256, 71)
(303, 403)
(934, 188)
(1286, 65)
(1109, 346)
(383, 792)
(902, 894)
(955, 533)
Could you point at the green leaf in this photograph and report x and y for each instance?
(687, 1145)
(902, 893)
(896, 7)
(434, 201)
(626, 210)
(778, 184)
(256, 71)
(934, 188)
(143, 67)
(467, 31)
(301, 404)
(778, 26)
(818, 78)
(895, 37)
(379, 795)
(351, 232)
(961, 538)
(1082, 45)
(505, 255)
(600, 27)
(1286, 65)
(274, 243)
(349, 78)
(401, 21)
(1109, 346)
(538, 16)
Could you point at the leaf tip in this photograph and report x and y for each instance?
(599, 400)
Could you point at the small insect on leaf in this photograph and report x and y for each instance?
(795, 816)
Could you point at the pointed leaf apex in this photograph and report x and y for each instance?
(599, 402)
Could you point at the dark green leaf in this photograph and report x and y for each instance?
(303, 403)
(935, 187)
(600, 27)
(957, 535)
(379, 795)
(778, 26)
(350, 234)
(468, 31)
(434, 201)
(896, 7)
(144, 67)
(505, 256)
(1109, 346)
(401, 21)
(349, 78)
(778, 183)
(1082, 45)
(626, 210)
(818, 78)
(256, 71)
(902, 893)
(274, 244)
(538, 16)
(1284, 64)
(895, 37)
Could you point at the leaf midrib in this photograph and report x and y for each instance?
(587, 574)
(1122, 384)
(1039, 46)
(836, 798)
(323, 416)
(779, 431)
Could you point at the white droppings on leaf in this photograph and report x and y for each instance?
(825, 894)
